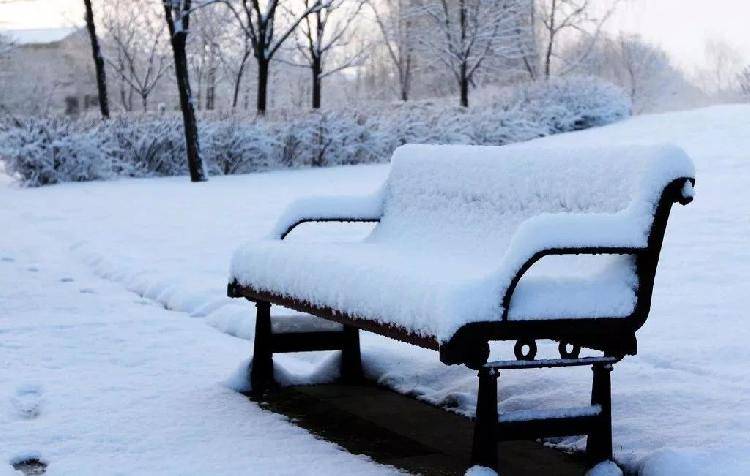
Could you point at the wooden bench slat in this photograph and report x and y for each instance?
(307, 341)
(543, 428)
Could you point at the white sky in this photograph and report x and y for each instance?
(679, 26)
(682, 26)
(40, 13)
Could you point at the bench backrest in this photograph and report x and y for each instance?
(480, 195)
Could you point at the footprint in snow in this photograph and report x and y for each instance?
(27, 401)
(33, 269)
(87, 291)
(29, 463)
(7, 259)
(66, 279)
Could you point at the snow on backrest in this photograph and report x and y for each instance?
(478, 195)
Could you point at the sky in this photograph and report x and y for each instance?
(680, 26)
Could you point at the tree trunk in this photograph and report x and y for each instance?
(404, 76)
(551, 30)
(210, 91)
(101, 75)
(126, 98)
(317, 72)
(179, 40)
(211, 79)
(260, 102)
(464, 86)
(463, 73)
(144, 102)
(238, 80)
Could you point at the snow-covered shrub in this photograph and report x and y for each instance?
(48, 151)
(147, 145)
(571, 103)
(44, 151)
(341, 138)
(230, 147)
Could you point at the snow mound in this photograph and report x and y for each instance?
(294, 373)
(480, 471)
(695, 462)
(459, 221)
(605, 468)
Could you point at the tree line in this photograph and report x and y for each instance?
(454, 45)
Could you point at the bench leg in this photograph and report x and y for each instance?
(261, 373)
(599, 441)
(484, 449)
(351, 356)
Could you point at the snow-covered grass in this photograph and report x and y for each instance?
(42, 151)
(682, 406)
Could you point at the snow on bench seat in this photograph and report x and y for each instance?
(457, 223)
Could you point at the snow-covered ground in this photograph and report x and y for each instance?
(105, 378)
(95, 379)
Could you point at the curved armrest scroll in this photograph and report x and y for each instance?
(368, 208)
(570, 234)
(594, 250)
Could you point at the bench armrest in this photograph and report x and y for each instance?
(625, 229)
(571, 234)
(364, 208)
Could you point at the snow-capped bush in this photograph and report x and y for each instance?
(572, 103)
(231, 147)
(48, 151)
(40, 151)
(146, 145)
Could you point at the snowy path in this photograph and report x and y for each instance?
(96, 380)
(682, 406)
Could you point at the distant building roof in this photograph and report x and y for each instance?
(38, 35)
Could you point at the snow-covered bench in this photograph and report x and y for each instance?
(475, 244)
(458, 228)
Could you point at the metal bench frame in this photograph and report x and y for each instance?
(596, 423)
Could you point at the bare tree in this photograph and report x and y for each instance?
(101, 75)
(463, 35)
(136, 37)
(529, 44)
(177, 15)
(647, 70)
(723, 63)
(556, 17)
(235, 58)
(6, 45)
(395, 22)
(743, 78)
(206, 52)
(322, 36)
(259, 25)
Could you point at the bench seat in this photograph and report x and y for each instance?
(410, 288)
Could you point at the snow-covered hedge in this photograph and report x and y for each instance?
(44, 151)
(40, 151)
